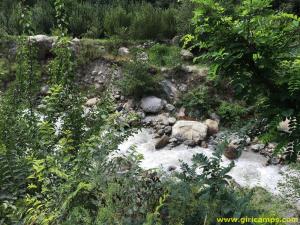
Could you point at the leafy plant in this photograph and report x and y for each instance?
(231, 112)
(137, 80)
(249, 43)
(197, 100)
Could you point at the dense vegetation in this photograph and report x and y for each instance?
(55, 160)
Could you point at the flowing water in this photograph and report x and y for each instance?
(250, 169)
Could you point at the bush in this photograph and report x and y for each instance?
(116, 21)
(197, 101)
(163, 55)
(138, 81)
(231, 112)
(257, 55)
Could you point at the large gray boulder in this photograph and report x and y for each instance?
(184, 130)
(152, 104)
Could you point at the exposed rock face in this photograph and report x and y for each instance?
(169, 89)
(99, 74)
(123, 51)
(186, 55)
(43, 44)
(162, 142)
(152, 104)
(189, 130)
(231, 152)
(213, 126)
(91, 102)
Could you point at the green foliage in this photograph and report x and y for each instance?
(231, 112)
(95, 19)
(251, 45)
(137, 80)
(207, 195)
(116, 21)
(163, 55)
(197, 101)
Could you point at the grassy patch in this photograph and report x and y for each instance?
(164, 56)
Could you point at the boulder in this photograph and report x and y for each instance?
(215, 117)
(162, 142)
(152, 104)
(169, 89)
(257, 147)
(123, 51)
(213, 126)
(186, 54)
(170, 107)
(284, 126)
(91, 102)
(231, 152)
(189, 130)
(172, 120)
(43, 44)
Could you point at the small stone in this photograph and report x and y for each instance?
(119, 108)
(172, 120)
(45, 90)
(186, 54)
(231, 152)
(172, 168)
(257, 147)
(273, 161)
(190, 143)
(129, 104)
(123, 51)
(168, 130)
(161, 143)
(284, 126)
(117, 97)
(161, 132)
(204, 144)
(91, 102)
(181, 113)
(170, 107)
(173, 140)
(183, 88)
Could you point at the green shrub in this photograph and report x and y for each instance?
(137, 81)
(149, 22)
(257, 55)
(163, 55)
(43, 17)
(116, 21)
(197, 101)
(231, 112)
